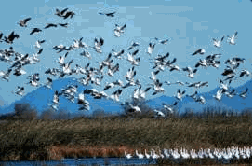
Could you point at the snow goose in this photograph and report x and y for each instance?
(199, 51)
(139, 93)
(218, 94)
(98, 44)
(231, 39)
(85, 53)
(159, 113)
(153, 74)
(243, 94)
(180, 94)
(244, 73)
(146, 154)
(49, 83)
(135, 44)
(115, 95)
(60, 13)
(108, 14)
(231, 94)
(10, 38)
(169, 107)
(63, 25)
(69, 14)
(154, 156)
(164, 41)
(38, 44)
(128, 156)
(5, 75)
(150, 48)
(23, 23)
(20, 91)
(19, 71)
(157, 87)
(217, 43)
(112, 70)
(35, 31)
(83, 102)
(118, 31)
(140, 156)
(190, 71)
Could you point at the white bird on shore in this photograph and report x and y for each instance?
(128, 156)
(154, 156)
(140, 156)
(146, 154)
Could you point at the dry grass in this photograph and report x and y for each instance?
(109, 137)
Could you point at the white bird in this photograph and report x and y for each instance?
(150, 48)
(169, 107)
(85, 53)
(128, 156)
(5, 75)
(243, 94)
(118, 31)
(132, 108)
(217, 43)
(118, 54)
(49, 83)
(20, 91)
(83, 102)
(38, 44)
(113, 69)
(139, 93)
(154, 156)
(131, 59)
(115, 95)
(190, 71)
(231, 39)
(140, 156)
(133, 45)
(98, 44)
(218, 95)
(244, 73)
(146, 154)
(180, 94)
(159, 113)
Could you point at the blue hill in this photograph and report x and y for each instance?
(41, 97)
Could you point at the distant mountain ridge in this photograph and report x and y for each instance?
(41, 97)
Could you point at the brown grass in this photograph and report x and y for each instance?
(110, 137)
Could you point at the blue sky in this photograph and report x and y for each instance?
(188, 24)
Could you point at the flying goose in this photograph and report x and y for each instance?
(118, 31)
(85, 53)
(34, 80)
(153, 75)
(164, 41)
(69, 14)
(113, 69)
(139, 93)
(5, 75)
(157, 87)
(63, 25)
(217, 43)
(60, 13)
(201, 63)
(218, 94)
(10, 38)
(190, 71)
(231, 39)
(53, 71)
(98, 44)
(244, 73)
(159, 113)
(243, 94)
(35, 31)
(50, 25)
(49, 83)
(132, 60)
(118, 54)
(180, 94)
(132, 108)
(199, 51)
(133, 45)
(20, 91)
(83, 102)
(23, 23)
(169, 107)
(38, 44)
(95, 93)
(108, 14)
(150, 48)
(19, 71)
(115, 95)
(231, 94)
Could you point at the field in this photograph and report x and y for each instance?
(41, 139)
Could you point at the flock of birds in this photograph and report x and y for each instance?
(95, 75)
(228, 154)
